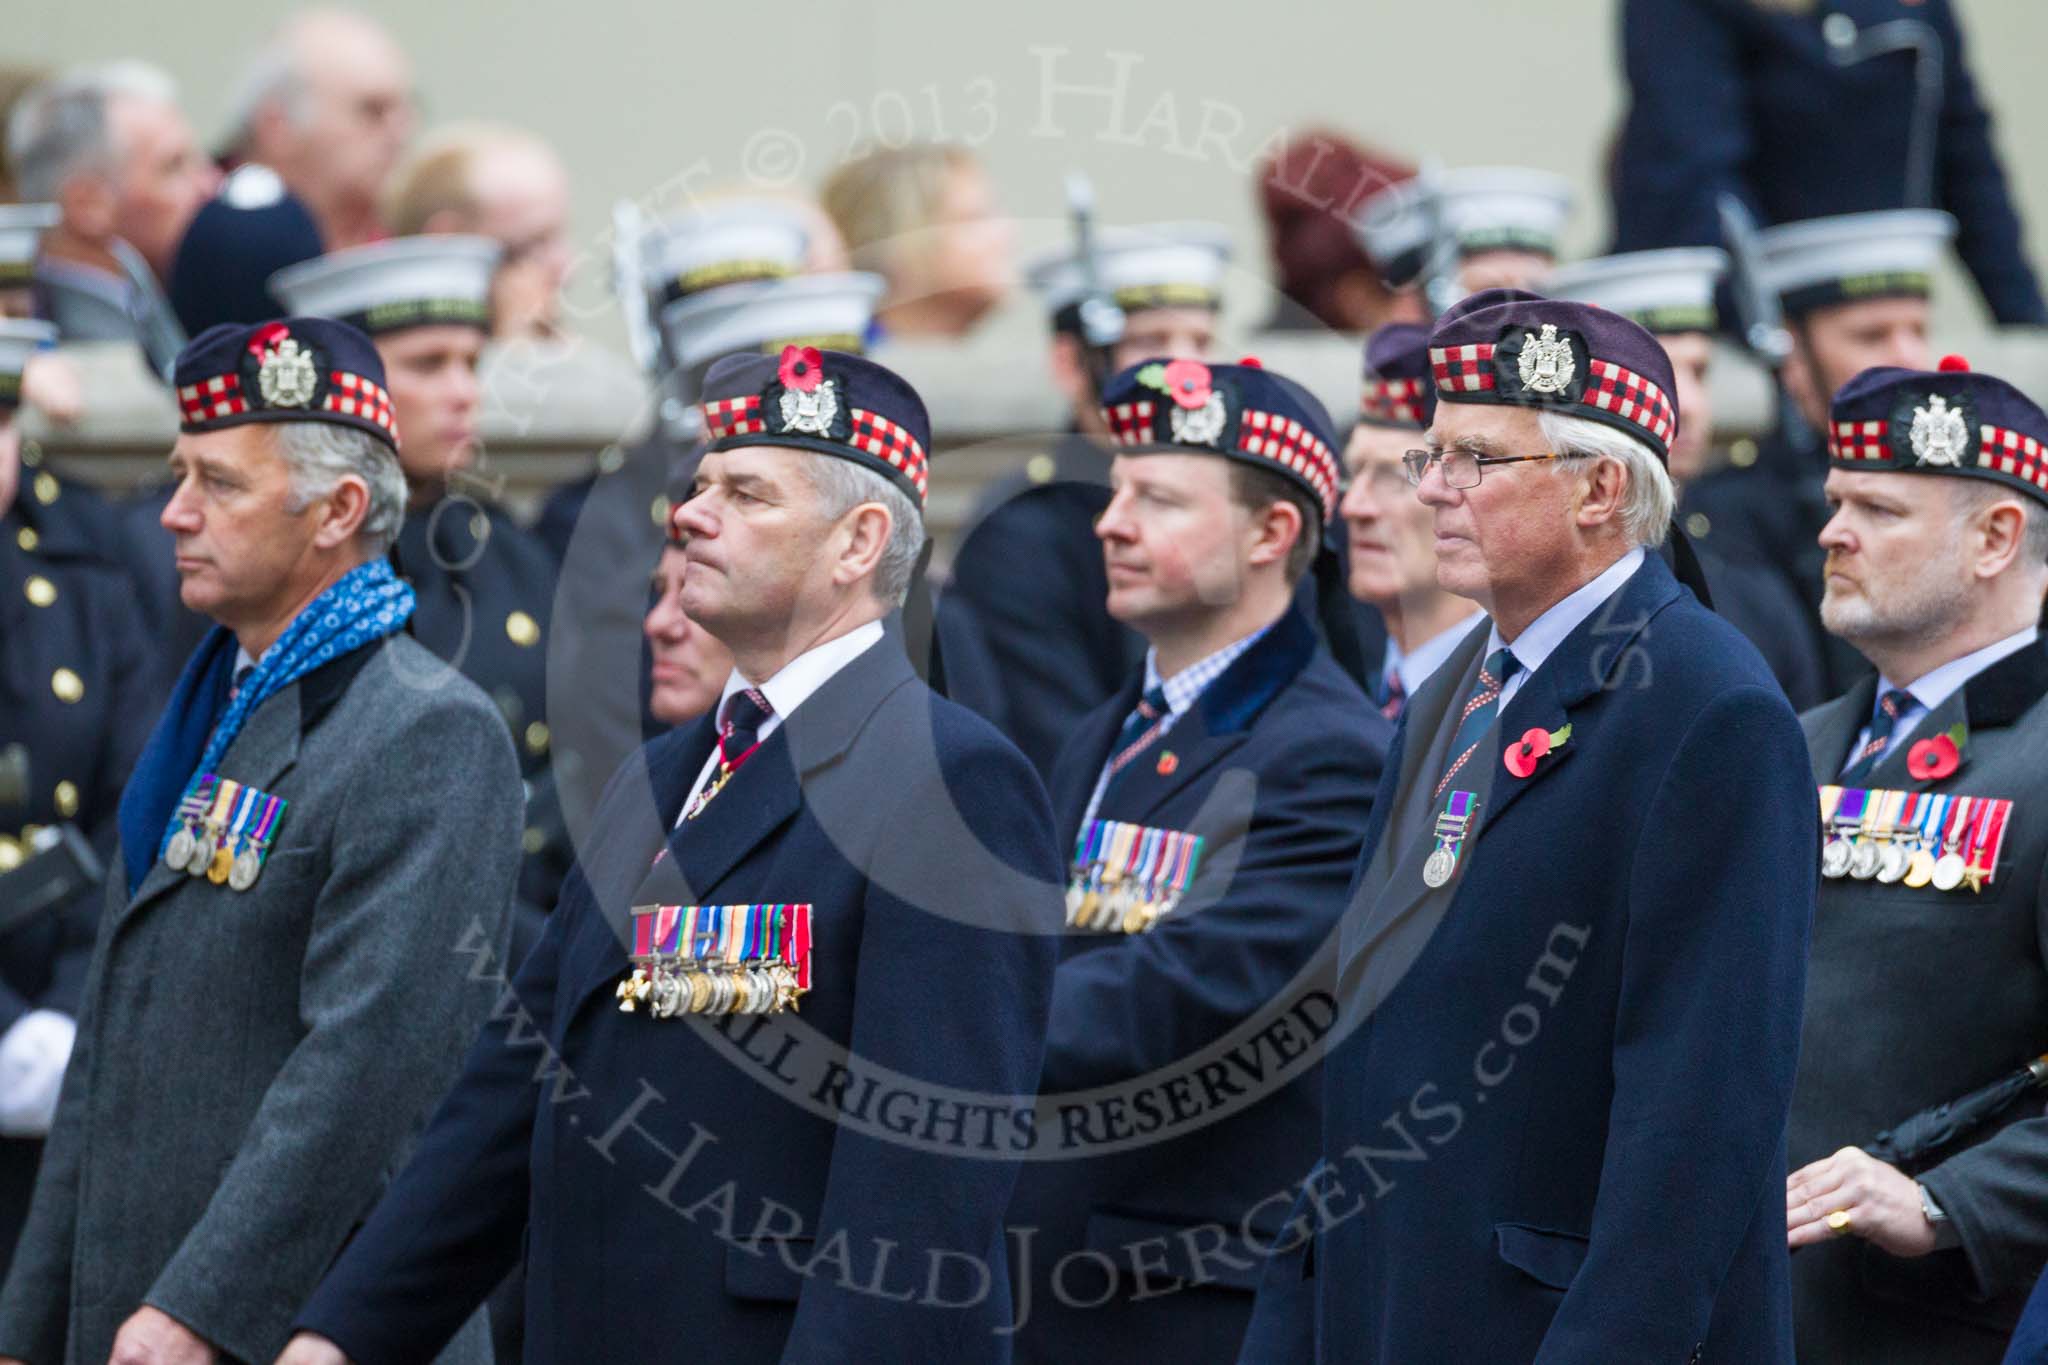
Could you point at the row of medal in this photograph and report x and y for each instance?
(1912, 838)
(224, 831)
(1128, 877)
(718, 959)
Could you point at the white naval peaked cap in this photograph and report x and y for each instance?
(1888, 253)
(434, 278)
(726, 241)
(20, 338)
(1664, 291)
(21, 235)
(830, 311)
(1158, 265)
(1483, 208)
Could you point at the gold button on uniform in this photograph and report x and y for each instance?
(1697, 525)
(46, 488)
(522, 629)
(39, 590)
(10, 853)
(533, 841)
(1041, 468)
(27, 539)
(67, 799)
(537, 737)
(1742, 454)
(69, 687)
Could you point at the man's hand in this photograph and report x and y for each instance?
(150, 1337)
(307, 1348)
(1866, 1198)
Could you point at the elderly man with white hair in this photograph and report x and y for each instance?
(110, 147)
(328, 104)
(1569, 977)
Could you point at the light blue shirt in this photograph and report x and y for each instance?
(1939, 684)
(1415, 666)
(1540, 639)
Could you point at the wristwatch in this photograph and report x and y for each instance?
(1944, 1231)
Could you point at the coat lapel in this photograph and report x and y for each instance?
(1828, 745)
(1091, 744)
(262, 753)
(699, 855)
(1601, 654)
(1993, 700)
(1219, 721)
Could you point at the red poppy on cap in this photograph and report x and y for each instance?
(1188, 382)
(801, 368)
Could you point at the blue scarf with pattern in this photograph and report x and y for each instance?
(365, 604)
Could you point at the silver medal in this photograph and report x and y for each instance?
(1892, 863)
(179, 854)
(1948, 871)
(242, 873)
(1834, 859)
(202, 855)
(1438, 869)
(1863, 861)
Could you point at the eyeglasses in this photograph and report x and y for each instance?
(1462, 469)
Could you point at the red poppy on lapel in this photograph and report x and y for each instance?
(1522, 756)
(1168, 761)
(1933, 759)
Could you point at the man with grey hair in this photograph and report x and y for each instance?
(109, 146)
(1569, 975)
(832, 831)
(317, 842)
(328, 104)
(1929, 979)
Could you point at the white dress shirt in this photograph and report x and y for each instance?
(790, 687)
(1541, 637)
(1938, 685)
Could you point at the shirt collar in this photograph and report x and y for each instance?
(1543, 635)
(1184, 687)
(1939, 684)
(1416, 666)
(793, 684)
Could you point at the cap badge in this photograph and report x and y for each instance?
(1199, 414)
(286, 375)
(810, 402)
(1546, 361)
(1939, 435)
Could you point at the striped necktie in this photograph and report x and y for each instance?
(1885, 719)
(1396, 696)
(1480, 709)
(1139, 730)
